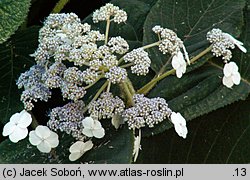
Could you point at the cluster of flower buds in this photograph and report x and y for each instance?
(106, 106)
(68, 119)
(221, 44)
(34, 89)
(146, 111)
(171, 44)
(140, 59)
(109, 10)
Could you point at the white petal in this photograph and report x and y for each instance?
(227, 81)
(98, 133)
(18, 134)
(180, 56)
(179, 73)
(87, 132)
(117, 120)
(238, 43)
(183, 132)
(34, 139)
(75, 156)
(236, 78)
(234, 67)
(76, 147)
(243, 49)
(87, 146)
(15, 118)
(44, 147)
(227, 70)
(183, 67)
(42, 131)
(97, 125)
(53, 139)
(181, 119)
(88, 122)
(178, 129)
(25, 119)
(8, 128)
(174, 118)
(175, 62)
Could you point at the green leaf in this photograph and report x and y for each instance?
(191, 21)
(15, 59)
(222, 136)
(116, 147)
(201, 91)
(13, 13)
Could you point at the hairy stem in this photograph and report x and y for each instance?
(151, 45)
(107, 31)
(96, 95)
(127, 65)
(144, 47)
(145, 89)
(59, 6)
(92, 84)
(129, 96)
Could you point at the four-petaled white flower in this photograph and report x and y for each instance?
(238, 43)
(43, 138)
(16, 128)
(179, 124)
(137, 145)
(78, 149)
(231, 75)
(179, 64)
(92, 128)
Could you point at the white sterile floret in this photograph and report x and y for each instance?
(43, 138)
(118, 45)
(92, 128)
(16, 128)
(238, 43)
(179, 64)
(231, 75)
(137, 146)
(179, 124)
(78, 149)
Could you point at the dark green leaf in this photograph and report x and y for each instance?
(13, 13)
(191, 20)
(200, 92)
(223, 136)
(117, 148)
(14, 59)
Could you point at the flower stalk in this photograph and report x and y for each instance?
(145, 89)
